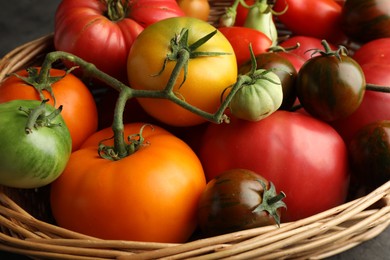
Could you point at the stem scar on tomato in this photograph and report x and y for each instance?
(135, 142)
(182, 52)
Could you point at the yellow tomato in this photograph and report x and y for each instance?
(207, 77)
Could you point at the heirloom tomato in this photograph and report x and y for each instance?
(369, 152)
(259, 98)
(241, 37)
(283, 68)
(238, 199)
(303, 156)
(32, 156)
(195, 8)
(375, 105)
(366, 20)
(375, 51)
(102, 32)
(150, 68)
(315, 18)
(331, 86)
(306, 46)
(150, 195)
(79, 107)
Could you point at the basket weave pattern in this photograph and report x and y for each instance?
(25, 224)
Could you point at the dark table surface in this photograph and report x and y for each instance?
(25, 20)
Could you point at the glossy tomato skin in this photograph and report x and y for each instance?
(315, 18)
(195, 8)
(31, 160)
(207, 77)
(241, 37)
(331, 88)
(375, 105)
(79, 107)
(304, 157)
(369, 152)
(307, 45)
(366, 20)
(375, 51)
(151, 195)
(283, 68)
(228, 202)
(83, 29)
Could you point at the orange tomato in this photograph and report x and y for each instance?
(195, 8)
(150, 195)
(79, 108)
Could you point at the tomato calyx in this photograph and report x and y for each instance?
(37, 117)
(116, 9)
(135, 142)
(271, 202)
(40, 83)
(341, 51)
(182, 52)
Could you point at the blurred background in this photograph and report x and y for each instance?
(25, 20)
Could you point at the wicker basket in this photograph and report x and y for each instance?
(25, 220)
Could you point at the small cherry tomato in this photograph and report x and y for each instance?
(195, 8)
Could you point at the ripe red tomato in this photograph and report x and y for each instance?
(316, 18)
(242, 12)
(304, 157)
(375, 51)
(241, 37)
(195, 8)
(90, 31)
(150, 195)
(79, 108)
(307, 45)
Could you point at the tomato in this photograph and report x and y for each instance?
(369, 152)
(258, 99)
(283, 68)
(238, 199)
(375, 105)
(306, 46)
(375, 51)
(242, 12)
(241, 37)
(366, 20)
(33, 157)
(102, 32)
(79, 112)
(150, 195)
(331, 86)
(304, 157)
(195, 8)
(207, 76)
(315, 18)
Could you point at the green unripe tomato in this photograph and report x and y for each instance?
(258, 99)
(36, 156)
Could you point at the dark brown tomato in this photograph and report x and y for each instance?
(366, 20)
(237, 199)
(369, 152)
(283, 68)
(330, 88)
